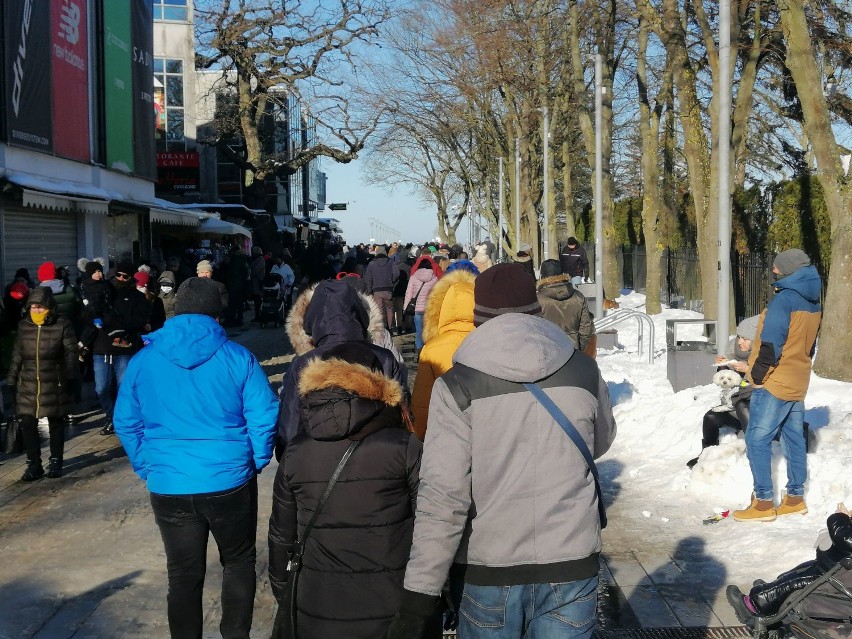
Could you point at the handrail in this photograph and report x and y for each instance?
(623, 314)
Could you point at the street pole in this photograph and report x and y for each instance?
(517, 194)
(599, 292)
(545, 134)
(470, 227)
(723, 299)
(500, 215)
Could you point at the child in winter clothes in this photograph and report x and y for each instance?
(97, 299)
(482, 259)
(765, 599)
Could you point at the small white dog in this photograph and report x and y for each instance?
(727, 380)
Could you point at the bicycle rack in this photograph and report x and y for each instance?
(641, 318)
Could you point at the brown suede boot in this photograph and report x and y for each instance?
(792, 505)
(758, 510)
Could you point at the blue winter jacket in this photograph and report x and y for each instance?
(195, 411)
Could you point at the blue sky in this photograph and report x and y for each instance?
(397, 208)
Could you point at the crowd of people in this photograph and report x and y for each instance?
(395, 513)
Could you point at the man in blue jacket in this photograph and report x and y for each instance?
(200, 453)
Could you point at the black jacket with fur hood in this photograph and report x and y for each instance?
(328, 314)
(354, 559)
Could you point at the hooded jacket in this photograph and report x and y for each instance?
(44, 359)
(447, 321)
(786, 334)
(503, 490)
(330, 313)
(350, 583)
(382, 274)
(124, 323)
(420, 283)
(195, 411)
(167, 278)
(566, 307)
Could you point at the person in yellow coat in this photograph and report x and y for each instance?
(446, 322)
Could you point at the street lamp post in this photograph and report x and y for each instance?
(517, 194)
(500, 214)
(723, 300)
(599, 292)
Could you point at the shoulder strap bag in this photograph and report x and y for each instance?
(411, 308)
(294, 566)
(575, 437)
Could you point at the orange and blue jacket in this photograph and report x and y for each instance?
(781, 354)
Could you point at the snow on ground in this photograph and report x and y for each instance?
(659, 430)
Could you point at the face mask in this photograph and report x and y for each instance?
(38, 317)
(166, 289)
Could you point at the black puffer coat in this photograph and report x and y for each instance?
(354, 561)
(44, 359)
(124, 323)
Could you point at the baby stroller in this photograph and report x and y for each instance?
(272, 301)
(822, 610)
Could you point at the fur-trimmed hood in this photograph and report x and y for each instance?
(343, 315)
(557, 287)
(339, 399)
(450, 305)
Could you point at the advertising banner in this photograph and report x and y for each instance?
(26, 34)
(70, 53)
(144, 115)
(118, 86)
(178, 172)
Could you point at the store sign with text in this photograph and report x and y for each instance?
(178, 172)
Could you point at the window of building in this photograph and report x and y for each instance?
(170, 10)
(169, 105)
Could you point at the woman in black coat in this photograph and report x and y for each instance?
(42, 373)
(354, 559)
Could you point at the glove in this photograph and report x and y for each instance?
(418, 616)
(99, 323)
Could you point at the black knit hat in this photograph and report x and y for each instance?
(504, 288)
(125, 267)
(198, 296)
(549, 268)
(93, 267)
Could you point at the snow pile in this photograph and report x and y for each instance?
(659, 430)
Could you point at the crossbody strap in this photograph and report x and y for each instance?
(296, 561)
(575, 437)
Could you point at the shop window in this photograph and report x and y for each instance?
(169, 105)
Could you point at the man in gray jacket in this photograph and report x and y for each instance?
(505, 496)
(564, 305)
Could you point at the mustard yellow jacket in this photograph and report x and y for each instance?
(446, 322)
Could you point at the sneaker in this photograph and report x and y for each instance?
(54, 467)
(792, 505)
(758, 510)
(108, 429)
(34, 471)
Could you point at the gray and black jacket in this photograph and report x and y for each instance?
(566, 307)
(504, 493)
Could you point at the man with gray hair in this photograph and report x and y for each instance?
(509, 503)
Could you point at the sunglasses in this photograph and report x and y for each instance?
(122, 276)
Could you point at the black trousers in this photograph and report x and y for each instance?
(32, 442)
(185, 522)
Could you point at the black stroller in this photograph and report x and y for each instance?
(272, 301)
(822, 610)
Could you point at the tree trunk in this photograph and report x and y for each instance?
(568, 191)
(835, 348)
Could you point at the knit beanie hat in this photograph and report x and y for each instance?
(790, 261)
(47, 271)
(126, 268)
(748, 327)
(198, 296)
(504, 288)
(549, 268)
(92, 267)
(204, 266)
(142, 278)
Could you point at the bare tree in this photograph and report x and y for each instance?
(272, 51)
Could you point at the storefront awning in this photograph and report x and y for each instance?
(213, 226)
(63, 202)
(175, 217)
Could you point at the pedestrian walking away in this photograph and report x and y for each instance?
(200, 454)
(520, 567)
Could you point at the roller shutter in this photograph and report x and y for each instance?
(33, 237)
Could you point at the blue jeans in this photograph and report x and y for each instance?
(577, 279)
(533, 611)
(185, 523)
(109, 371)
(418, 331)
(769, 415)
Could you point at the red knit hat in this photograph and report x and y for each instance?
(19, 291)
(142, 278)
(47, 271)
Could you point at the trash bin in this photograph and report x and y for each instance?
(689, 362)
